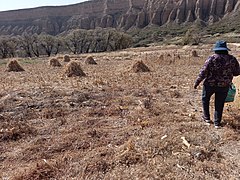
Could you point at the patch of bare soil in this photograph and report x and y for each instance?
(114, 123)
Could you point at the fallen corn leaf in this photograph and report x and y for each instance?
(163, 137)
(185, 142)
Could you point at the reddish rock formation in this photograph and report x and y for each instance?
(114, 13)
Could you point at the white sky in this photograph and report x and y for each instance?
(22, 4)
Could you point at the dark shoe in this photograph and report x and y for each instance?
(217, 126)
(206, 120)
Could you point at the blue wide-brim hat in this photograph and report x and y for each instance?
(221, 46)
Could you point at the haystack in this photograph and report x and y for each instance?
(54, 62)
(194, 53)
(66, 58)
(139, 66)
(90, 60)
(73, 69)
(161, 57)
(14, 66)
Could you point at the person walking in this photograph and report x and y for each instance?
(218, 72)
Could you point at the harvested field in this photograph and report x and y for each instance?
(114, 123)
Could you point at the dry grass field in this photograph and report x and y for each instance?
(114, 123)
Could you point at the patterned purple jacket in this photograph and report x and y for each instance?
(218, 70)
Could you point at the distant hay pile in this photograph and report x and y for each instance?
(73, 69)
(54, 62)
(66, 58)
(90, 60)
(178, 56)
(14, 66)
(194, 53)
(161, 57)
(139, 66)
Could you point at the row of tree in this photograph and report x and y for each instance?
(76, 41)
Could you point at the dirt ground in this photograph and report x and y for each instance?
(114, 123)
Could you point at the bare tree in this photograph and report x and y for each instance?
(110, 40)
(89, 41)
(8, 46)
(121, 41)
(49, 43)
(3, 47)
(58, 44)
(101, 37)
(76, 40)
(13, 46)
(35, 45)
(25, 43)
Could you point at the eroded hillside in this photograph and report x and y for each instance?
(123, 14)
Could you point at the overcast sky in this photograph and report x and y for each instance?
(22, 4)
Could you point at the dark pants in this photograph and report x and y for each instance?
(220, 96)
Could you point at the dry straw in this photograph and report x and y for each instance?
(73, 69)
(14, 66)
(54, 62)
(90, 60)
(66, 58)
(139, 66)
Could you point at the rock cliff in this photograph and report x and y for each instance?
(123, 14)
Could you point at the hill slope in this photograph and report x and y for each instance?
(123, 14)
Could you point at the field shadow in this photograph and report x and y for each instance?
(233, 123)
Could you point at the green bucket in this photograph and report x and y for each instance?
(231, 93)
